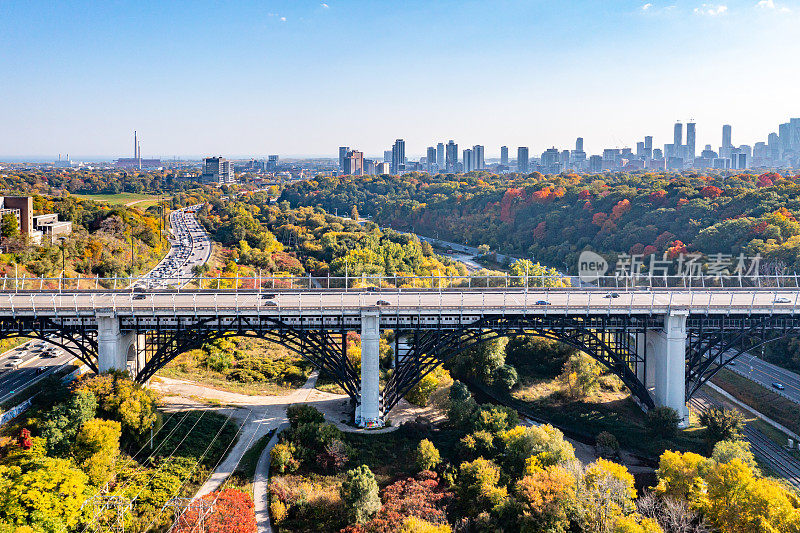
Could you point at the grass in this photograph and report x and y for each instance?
(194, 433)
(143, 201)
(763, 400)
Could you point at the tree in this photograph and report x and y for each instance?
(721, 424)
(97, 448)
(534, 446)
(605, 493)
(60, 425)
(354, 214)
(360, 494)
(680, 476)
(303, 413)
(461, 405)
(426, 455)
(412, 524)
(123, 400)
(506, 377)
(234, 512)
(478, 486)
(581, 375)
(421, 392)
(663, 422)
(547, 499)
(726, 451)
(9, 226)
(282, 457)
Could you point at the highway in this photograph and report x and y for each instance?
(28, 363)
(766, 374)
(190, 246)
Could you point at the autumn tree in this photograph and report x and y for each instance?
(581, 375)
(426, 456)
(97, 448)
(360, 494)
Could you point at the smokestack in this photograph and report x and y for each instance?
(140, 155)
(135, 145)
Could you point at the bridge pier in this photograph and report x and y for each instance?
(112, 345)
(666, 349)
(368, 412)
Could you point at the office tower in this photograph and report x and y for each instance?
(579, 144)
(217, 170)
(504, 156)
(677, 142)
(725, 149)
(648, 147)
(342, 154)
(549, 158)
(398, 156)
(431, 158)
(657, 153)
(794, 129)
(522, 159)
(640, 150)
(564, 159)
(477, 154)
(451, 156)
(595, 163)
(469, 162)
(387, 156)
(382, 168)
(440, 156)
(272, 163)
(369, 167)
(691, 141)
(354, 163)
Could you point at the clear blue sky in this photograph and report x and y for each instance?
(298, 77)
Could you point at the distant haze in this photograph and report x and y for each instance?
(300, 78)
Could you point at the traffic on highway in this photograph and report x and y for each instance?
(28, 363)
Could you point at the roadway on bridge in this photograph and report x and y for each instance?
(571, 301)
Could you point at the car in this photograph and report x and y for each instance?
(778, 386)
(270, 303)
(372, 289)
(40, 370)
(267, 296)
(782, 300)
(612, 295)
(139, 296)
(15, 357)
(542, 302)
(381, 303)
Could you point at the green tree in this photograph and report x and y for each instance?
(97, 448)
(581, 375)
(123, 400)
(541, 446)
(461, 405)
(60, 425)
(726, 451)
(478, 487)
(426, 456)
(663, 422)
(9, 226)
(360, 494)
(721, 424)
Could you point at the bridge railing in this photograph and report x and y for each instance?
(393, 282)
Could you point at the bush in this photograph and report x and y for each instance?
(278, 511)
(304, 414)
(421, 392)
(245, 375)
(607, 444)
(461, 406)
(282, 458)
(506, 377)
(360, 494)
(663, 422)
(334, 456)
(426, 455)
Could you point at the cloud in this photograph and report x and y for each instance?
(646, 7)
(325, 6)
(276, 15)
(711, 10)
(283, 19)
(771, 6)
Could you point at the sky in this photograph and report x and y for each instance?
(302, 77)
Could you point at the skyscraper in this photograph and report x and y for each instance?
(677, 148)
(522, 159)
(691, 141)
(451, 156)
(398, 156)
(725, 149)
(342, 154)
(477, 154)
(354, 163)
(440, 156)
(387, 156)
(504, 156)
(648, 147)
(469, 160)
(431, 158)
(579, 144)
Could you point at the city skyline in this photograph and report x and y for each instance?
(528, 73)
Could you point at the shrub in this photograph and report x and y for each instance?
(334, 456)
(506, 377)
(282, 458)
(581, 375)
(278, 511)
(426, 455)
(245, 375)
(360, 494)
(304, 414)
(663, 422)
(413, 524)
(478, 486)
(607, 444)
(421, 392)
(233, 512)
(461, 406)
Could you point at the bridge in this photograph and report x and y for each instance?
(663, 341)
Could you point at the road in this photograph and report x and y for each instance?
(766, 374)
(27, 364)
(780, 461)
(190, 247)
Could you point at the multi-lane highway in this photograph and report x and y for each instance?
(769, 375)
(28, 363)
(190, 246)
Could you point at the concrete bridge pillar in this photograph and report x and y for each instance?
(669, 364)
(112, 345)
(368, 413)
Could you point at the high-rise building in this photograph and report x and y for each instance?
(727, 145)
(369, 167)
(477, 154)
(648, 147)
(354, 163)
(549, 158)
(469, 160)
(272, 163)
(431, 159)
(217, 170)
(383, 168)
(342, 154)
(579, 144)
(387, 156)
(451, 156)
(691, 141)
(677, 134)
(522, 159)
(504, 156)
(398, 156)
(440, 156)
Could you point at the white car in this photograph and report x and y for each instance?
(782, 300)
